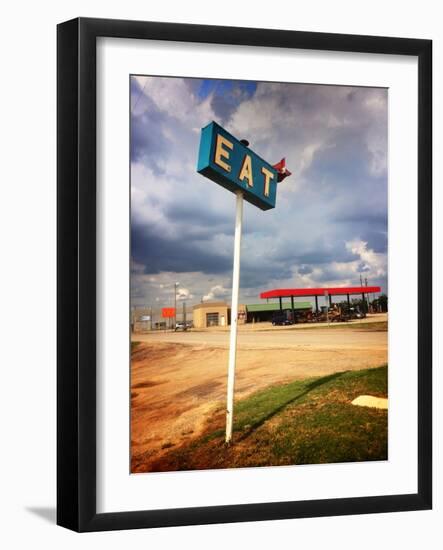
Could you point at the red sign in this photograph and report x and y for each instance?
(168, 312)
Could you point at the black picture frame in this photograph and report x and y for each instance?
(76, 265)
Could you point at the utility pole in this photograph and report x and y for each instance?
(363, 301)
(175, 304)
(366, 284)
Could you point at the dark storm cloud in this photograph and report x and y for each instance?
(253, 276)
(377, 240)
(148, 143)
(315, 253)
(341, 173)
(369, 226)
(363, 215)
(304, 270)
(191, 214)
(158, 253)
(340, 164)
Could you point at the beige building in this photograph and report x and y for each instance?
(210, 314)
(215, 314)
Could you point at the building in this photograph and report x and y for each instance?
(218, 314)
(211, 314)
(144, 319)
(257, 313)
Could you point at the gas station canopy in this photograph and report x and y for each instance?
(331, 291)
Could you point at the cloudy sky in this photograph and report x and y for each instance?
(330, 221)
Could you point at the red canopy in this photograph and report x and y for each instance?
(332, 291)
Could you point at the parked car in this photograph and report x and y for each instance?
(281, 319)
(180, 325)
(356, 313)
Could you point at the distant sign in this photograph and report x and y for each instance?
(145, 318)
(225, 160)
(168, 312)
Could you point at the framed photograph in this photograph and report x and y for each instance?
(244, 274)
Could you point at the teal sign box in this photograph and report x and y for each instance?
(224, 159)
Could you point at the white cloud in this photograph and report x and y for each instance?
(184, 294)
(375, 263)
(216, 292)
(174, 97)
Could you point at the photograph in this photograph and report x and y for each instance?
(259, 274)
(226, 219)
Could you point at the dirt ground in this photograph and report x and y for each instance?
(178, 380)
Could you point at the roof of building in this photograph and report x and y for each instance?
(276, 306)
(210, 304)
(332, 291)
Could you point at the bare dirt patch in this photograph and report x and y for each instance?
(148, 384)
(178, 380)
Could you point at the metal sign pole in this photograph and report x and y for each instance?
(231, 163)
(234, 317)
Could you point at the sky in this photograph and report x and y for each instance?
(330, 221)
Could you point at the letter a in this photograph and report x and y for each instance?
(246, 171)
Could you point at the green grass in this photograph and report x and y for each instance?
(134, 345)
(360, 325)
(379, 326)
(304, 422)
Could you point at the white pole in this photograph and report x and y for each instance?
(234, 317)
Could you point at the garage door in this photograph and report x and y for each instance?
(212, 319)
